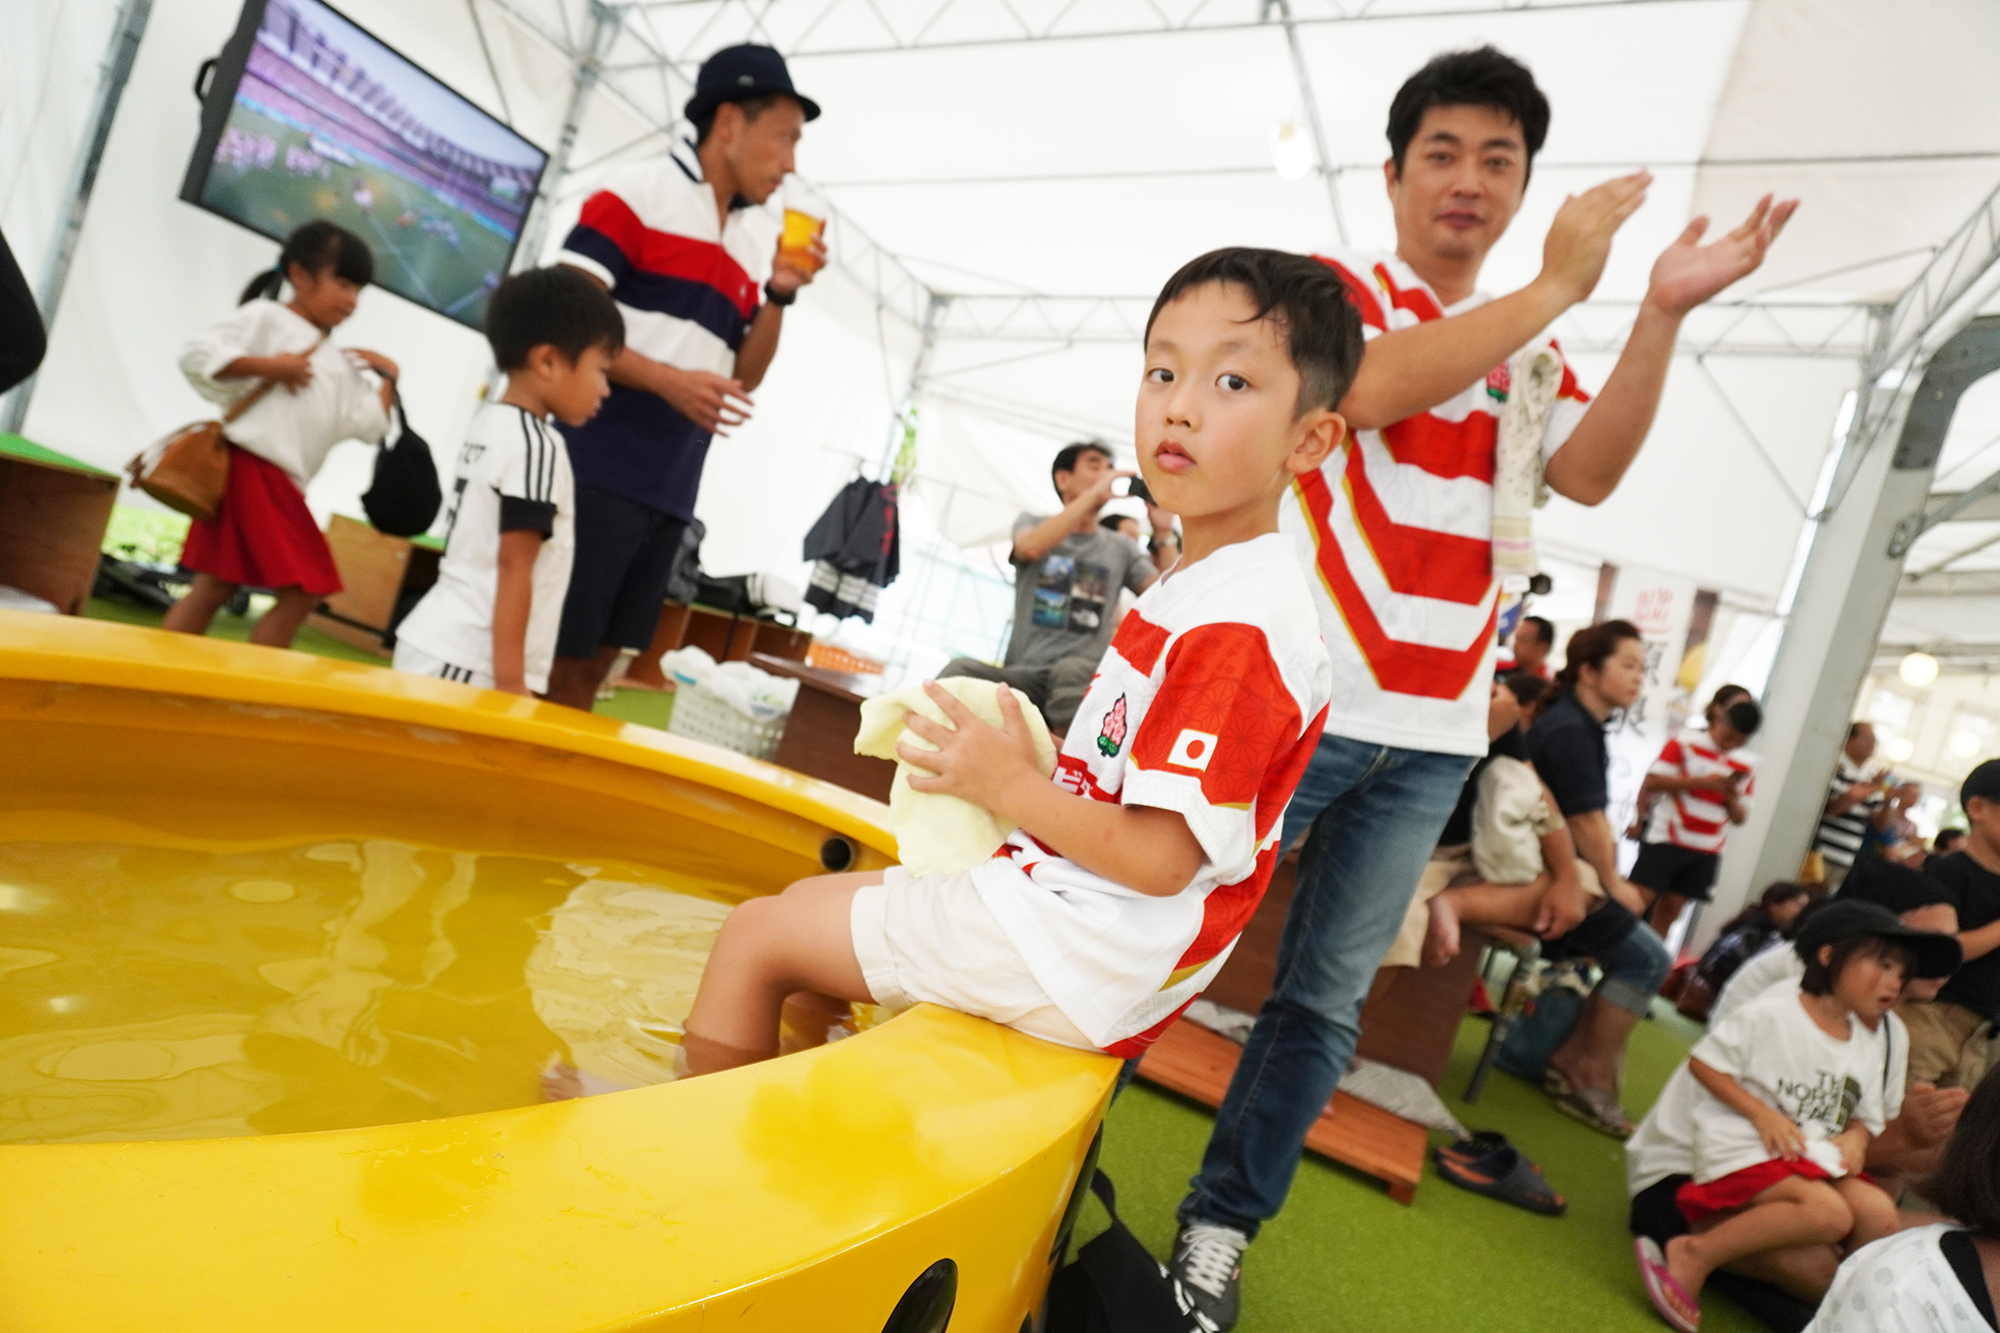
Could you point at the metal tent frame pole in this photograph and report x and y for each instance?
(587, 73)
(113, 75)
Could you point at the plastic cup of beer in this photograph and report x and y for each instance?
(805, 222)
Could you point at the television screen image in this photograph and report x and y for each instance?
(324, 121)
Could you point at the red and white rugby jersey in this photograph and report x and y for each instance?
(1696, 820)
(1208, 702)
(1399, 527)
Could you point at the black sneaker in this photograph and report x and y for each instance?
(1207, 1270)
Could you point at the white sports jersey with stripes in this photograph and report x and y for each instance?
(1399, 527)
(512, 474)
(1209, 702)
(1696, 820)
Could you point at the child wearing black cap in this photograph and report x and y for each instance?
(1794, 1086)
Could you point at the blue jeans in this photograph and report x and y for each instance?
(1633, 970)
(1375, 812)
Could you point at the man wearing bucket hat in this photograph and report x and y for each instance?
(668, 239)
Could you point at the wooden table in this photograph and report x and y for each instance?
(53, 512)
(379, 575)
(819, 737)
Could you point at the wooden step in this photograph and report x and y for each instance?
(1198, 1063)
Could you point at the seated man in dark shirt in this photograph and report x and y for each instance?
(1505, 864)
(1948, 1037)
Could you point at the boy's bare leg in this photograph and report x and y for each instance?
(191, 614)
(277, 627)
(1875, 1214)
(1665, 911)
(1480, 904)
(1793, 1212)
(770, 948)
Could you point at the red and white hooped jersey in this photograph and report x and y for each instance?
(1398, 524)
(1208, 702)
(1696, 820)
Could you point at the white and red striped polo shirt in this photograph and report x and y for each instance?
(1209, 703)
(1696, 820)
(1398, 525)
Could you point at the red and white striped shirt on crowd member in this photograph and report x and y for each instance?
(1696, 820)
(1400, 530)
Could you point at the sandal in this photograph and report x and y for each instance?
(1488, 1164)
(1598, 1108)
(1554, 1083)
(1670, 1299)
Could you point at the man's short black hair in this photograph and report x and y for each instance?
(1854, 729)
(558, 306)
(753, 107)
(1110, 522)
(1819, 977)
(1066, 459)
(1947, 838)
(1485, 77)
(1306, 301)
(1745, 716)
(1545, 631)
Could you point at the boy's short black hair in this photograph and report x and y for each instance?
(1745, 716)
(558, 306)
(1066, 459)
(1527, 688)
(1819, 977)
(1303, 297)
(1485, 77)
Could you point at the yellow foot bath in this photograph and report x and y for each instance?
(304, 964)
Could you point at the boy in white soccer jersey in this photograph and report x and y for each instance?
(491, 617)
(1133, 871)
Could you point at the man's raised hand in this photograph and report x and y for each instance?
(1579, 240)
(1688, 273)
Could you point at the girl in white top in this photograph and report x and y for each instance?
(264, 536)
(1933, 1279)
(1794, 1087)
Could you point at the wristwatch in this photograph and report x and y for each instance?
(779, 299)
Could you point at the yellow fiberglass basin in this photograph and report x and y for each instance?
(301, 963)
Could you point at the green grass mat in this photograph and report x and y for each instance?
(1343, 1258)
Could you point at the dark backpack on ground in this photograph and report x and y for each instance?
(404, 498)
(1115, 1285)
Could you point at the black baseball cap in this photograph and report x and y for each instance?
(1981, 781)
(1935, 954)
(737, 73)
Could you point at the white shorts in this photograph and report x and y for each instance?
(929, 939)
(420, 663)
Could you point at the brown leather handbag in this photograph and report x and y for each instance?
(188, 469)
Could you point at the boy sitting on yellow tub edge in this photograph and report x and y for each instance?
(1136, 866)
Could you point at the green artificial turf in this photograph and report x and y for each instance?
(1343, 1257)
(645, 707)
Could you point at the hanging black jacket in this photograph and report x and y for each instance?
(855, 543)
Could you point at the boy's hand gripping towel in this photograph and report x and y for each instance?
(1519, 486)
(935, 832)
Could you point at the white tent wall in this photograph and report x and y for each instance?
(49, 55)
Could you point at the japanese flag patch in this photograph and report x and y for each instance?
(1192, 749)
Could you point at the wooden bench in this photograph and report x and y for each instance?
(377, 572)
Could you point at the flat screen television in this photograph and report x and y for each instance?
(309, 116)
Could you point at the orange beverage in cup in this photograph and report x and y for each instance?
(801, 230)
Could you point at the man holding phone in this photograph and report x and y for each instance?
(1067, 573)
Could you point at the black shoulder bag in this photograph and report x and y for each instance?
(1115, 1286)
(404, 497)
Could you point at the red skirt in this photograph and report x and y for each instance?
(1740, 1187)
(263, 536)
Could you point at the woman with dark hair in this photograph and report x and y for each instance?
(264, 536)
(1576, 1048)
(1747, 934)
(1942, 1278)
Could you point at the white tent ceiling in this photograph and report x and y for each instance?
(1044, 164)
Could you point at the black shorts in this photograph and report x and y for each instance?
(624, 553)
(1681, 871)
(1654, 1212)
(1606, 927)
